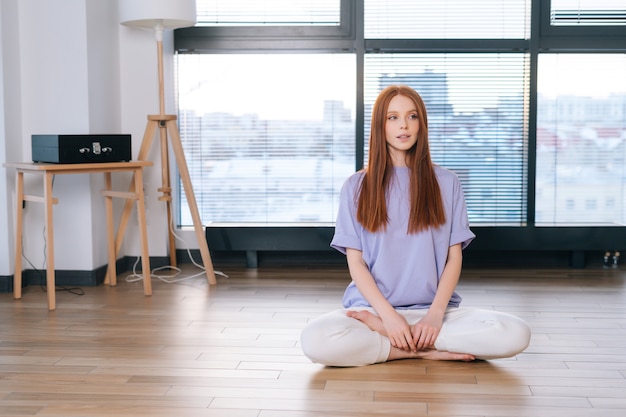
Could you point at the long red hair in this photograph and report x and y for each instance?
(426, 203)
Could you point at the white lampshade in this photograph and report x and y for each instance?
(162, 14)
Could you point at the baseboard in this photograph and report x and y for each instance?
(471, 259)
(256, 259)
(78, 278)
(6, 283)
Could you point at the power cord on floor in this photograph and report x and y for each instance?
(42, 279)
(133, 277)
(170, 279)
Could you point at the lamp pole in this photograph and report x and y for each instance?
(159, 15)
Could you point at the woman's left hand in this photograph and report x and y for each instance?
(426, 331)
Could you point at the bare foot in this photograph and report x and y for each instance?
(438, 355)
(370, 320)
(375, 324)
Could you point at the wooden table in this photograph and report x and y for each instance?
(49, 171)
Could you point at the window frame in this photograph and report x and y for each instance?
(203, 39)
(348, 37)
(592, 37)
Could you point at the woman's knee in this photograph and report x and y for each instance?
(518, 335)
(321, 339)
(337, 340)
(511, 336)
(487, 334)
(312, 342)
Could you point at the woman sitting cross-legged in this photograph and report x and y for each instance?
(403, 224)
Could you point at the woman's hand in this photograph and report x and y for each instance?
(398, 332)
(394, 326)
(426, 331)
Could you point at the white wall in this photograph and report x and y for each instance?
(54, 95)
(6, 247)
(70, 67)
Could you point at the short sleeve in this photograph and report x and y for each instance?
(460, 232)
(347, 229)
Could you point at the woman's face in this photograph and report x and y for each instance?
(401, 127)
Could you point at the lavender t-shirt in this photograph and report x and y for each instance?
(406, 267)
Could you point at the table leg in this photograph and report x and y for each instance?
(50, 279)
(111, 277)
(17, 278)
(143, 232)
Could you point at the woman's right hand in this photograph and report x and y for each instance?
(398, 331)
(395, 326)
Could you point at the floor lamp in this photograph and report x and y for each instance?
(160, 15)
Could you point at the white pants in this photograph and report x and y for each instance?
(335, 339)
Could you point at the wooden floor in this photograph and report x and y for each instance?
(233, 351)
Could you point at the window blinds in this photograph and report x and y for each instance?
(269, 137)
(447, 19)
(587, 13)
(268, 12)
(581, 140)
(476, 114)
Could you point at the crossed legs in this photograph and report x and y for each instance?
(356, 337)
(375, 324)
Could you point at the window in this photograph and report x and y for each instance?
(270, 138)
(587, 12)
(275, 99)
(267, 13)
(581, 137)
(447, 19)
(476, 126)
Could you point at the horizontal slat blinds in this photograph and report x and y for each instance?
(581, 140)
(269, 137)
(447, 19)
(476, 108)
(268, 12)
(256, 160)
(588, 13)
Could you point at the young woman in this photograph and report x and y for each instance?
(402, 224)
